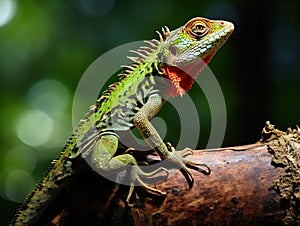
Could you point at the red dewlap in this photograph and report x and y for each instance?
(182, 77)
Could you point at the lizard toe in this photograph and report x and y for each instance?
(137, 173)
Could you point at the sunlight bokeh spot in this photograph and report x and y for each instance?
(7, 11)
(18, 184)
(61, 130)
(49, 96)
(34, 128)
(20, 158)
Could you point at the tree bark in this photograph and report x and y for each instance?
(255, 184)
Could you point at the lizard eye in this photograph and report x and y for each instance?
(197, 27)
(199, 30)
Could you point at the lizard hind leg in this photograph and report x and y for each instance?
(104, 160)
(136, 172)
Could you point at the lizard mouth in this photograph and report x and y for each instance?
(182, 77)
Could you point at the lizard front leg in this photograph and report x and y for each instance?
(153, 139)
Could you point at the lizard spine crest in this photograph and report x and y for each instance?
(142, 54)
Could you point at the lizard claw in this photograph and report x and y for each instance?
(136, 174)
(183, 153)
(129, 150)
(190, 164)
(188, 176)
(184, 164)
(195, 166)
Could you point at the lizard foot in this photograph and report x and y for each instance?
(136, 174)
(195, 166)
(178, 157)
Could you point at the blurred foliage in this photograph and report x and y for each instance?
(45, 47)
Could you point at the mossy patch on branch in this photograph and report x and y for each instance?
(285, 148)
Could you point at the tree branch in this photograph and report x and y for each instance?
(247, 186)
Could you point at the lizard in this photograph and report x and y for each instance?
(164, 68)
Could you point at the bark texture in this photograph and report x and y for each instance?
(255, 184)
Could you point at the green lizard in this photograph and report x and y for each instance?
(164, 68)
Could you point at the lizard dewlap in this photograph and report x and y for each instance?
(160, 70)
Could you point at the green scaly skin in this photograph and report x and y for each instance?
(177, 58)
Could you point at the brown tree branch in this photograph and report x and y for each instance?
(247, 186)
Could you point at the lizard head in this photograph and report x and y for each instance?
(185, 51)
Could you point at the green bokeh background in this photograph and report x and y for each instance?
(47, 46)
